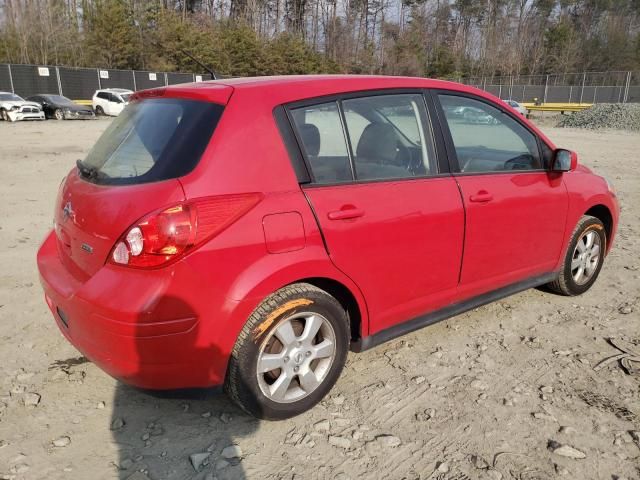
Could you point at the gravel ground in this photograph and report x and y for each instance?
(605, 115)
(505, 391)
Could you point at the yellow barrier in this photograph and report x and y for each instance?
(557, 107)
(83, 102)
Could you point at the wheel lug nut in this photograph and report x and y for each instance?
(286, 359)
(308, 354)
(295, 369)
(299, 343)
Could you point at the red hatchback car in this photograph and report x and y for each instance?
(249, 232)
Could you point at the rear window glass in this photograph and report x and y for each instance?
(153, 139)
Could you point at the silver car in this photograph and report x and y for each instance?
(517, 107)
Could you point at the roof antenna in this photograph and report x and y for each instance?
(184, 52)
(211, 72)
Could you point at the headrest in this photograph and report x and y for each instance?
(377, 144)
(310, 136)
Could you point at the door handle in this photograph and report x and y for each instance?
(481, 197)
(345, 213)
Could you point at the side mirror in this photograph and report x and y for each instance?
(564, 160)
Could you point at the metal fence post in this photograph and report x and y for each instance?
(546, 84)
(625, 98)
(59, 83)
(133, 74)
(10, 78)
(99, 81)
(166, 81)
(584, 79)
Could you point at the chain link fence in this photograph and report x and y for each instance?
(81, 83)
(586, 87)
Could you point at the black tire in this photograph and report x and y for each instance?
(242, 380)
(99, 111)
(565, 283)
(57, 114)
(3, 115)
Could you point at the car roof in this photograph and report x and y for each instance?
(117, 90)
(289, 88)
(339, 82)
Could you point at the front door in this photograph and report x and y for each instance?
(390, 222)
(515, 208)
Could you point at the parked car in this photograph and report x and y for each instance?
(110, 101)
(61, 108)
(517, 107)
(14, 108)
(470, 114)
(344, 223)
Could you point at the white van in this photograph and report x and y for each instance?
(110, 101)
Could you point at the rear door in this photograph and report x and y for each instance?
(391, 218)
(515, 208)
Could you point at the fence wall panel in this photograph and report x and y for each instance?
(144, 80)
(176, 78)
(118, 79)
(633, 95)
(78, 83)
(27, 80)
(493, 90)
(5, 78)
(558, 94)
(531, 92)
(608, 94)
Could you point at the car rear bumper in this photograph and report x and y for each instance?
(136, 326)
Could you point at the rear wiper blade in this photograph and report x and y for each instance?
(88, 171)
(85, 170)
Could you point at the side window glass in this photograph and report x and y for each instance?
(103, 95)
(320, 129)
(486, 139)
(390, 136)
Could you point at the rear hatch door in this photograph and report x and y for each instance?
(131, 171)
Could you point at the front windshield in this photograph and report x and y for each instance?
(10, 97)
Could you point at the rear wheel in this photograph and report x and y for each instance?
(289, 354)
(584, 258)
(99, 111)
(58, 114)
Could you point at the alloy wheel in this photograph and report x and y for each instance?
(296, 356)
(586, 257)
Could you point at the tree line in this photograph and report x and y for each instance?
(440, 38)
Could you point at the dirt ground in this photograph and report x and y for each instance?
(481, 396)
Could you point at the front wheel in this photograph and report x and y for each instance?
(3, 115)
(289, 354)
(58, 114)
(99, 111)
(583, 259)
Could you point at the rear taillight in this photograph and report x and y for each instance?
(166, 235)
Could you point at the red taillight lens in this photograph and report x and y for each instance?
(166, 235)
